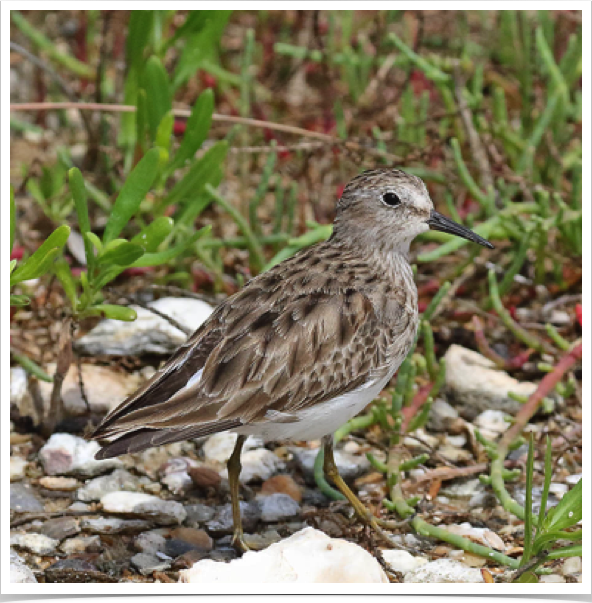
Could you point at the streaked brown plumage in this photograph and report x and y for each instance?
(336, 318)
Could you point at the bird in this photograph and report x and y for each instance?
(304, 346)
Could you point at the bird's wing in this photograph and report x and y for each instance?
(266, 352)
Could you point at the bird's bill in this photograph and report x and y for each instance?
(439, 222)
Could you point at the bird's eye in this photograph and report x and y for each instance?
(391, 199)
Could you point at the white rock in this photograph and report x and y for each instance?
(34, 543)
(104, 388)
(474, 384)
(66, 454)
(64, 484)
(19, 572)
(258, 465)
(444, 570)
(79, 544)
(559, 490)
(149, 333)
(17, 468)
(307, 556)
(552, 579)
(492, 423)
(19, 391)
(573, 479)
(117, 481)
(402, 561)
(145, 506)
(572, 565)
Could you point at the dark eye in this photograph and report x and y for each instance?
(391, 199)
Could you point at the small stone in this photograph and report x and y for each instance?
(75, 570)
(572, 565)
(572, 480)
(81, 544)
(146, 564)
(204, 477)
(350, 466)
(198, 514)
(149, 333)
(114, 525)
(402, 561)
(63, 484)
(264, 539)
(465, 489)
(17, 468)
(150, 542)
(20, 398)
(144, 505)
(552, 579)
(308, 556)
(197, 538)
(559, 490)
(222, 524)
(441, 415)
(492, 423)
(187, 559)
(79, 507)
(23, 499)
(175, 548)
(59, 528)
(420, 441)
(175, 474)
(34, 543)
(257, 465)
(117, 481)
(444, 570)
(278, 507)
(19, 572)
(282, 484)
(66, 454)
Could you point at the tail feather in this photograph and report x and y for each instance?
(143, 438)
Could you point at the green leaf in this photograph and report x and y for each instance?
(31, 367)
(198, 173)
(154, 234)
(568, 551)
(80, 203)
(528, 504)
(94, 240)
(12, 265)
(19, 300)
(39, 262)
(12, 217)
(527, 577)
(161, 257)
(155, 81)
(112, 311)
(141, 119)
(165, 131)
(543, 540)
(568, 511)
(64, 275)
(196, 130)
(132, 193)
(122, 254)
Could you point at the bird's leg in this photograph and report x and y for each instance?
(234, 469)
(331, 471)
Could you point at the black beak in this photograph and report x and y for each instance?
(439, 222)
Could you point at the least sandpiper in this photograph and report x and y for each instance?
(303, 347)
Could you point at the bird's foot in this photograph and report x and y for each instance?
(243, 543)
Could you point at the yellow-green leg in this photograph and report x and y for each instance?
(331, 471)
(234, 469)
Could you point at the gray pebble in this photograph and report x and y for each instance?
(278, 507)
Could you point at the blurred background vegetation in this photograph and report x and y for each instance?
(192, 150)
(195, 149)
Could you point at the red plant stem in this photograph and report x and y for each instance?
(419, 400)
(547, 385)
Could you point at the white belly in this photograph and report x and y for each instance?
(321, 419)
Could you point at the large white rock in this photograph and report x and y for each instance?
(402, 561)
(307, 556)
(34, 543)
(104, 388)
(149, 333)
(19, 572)
(474, 384)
